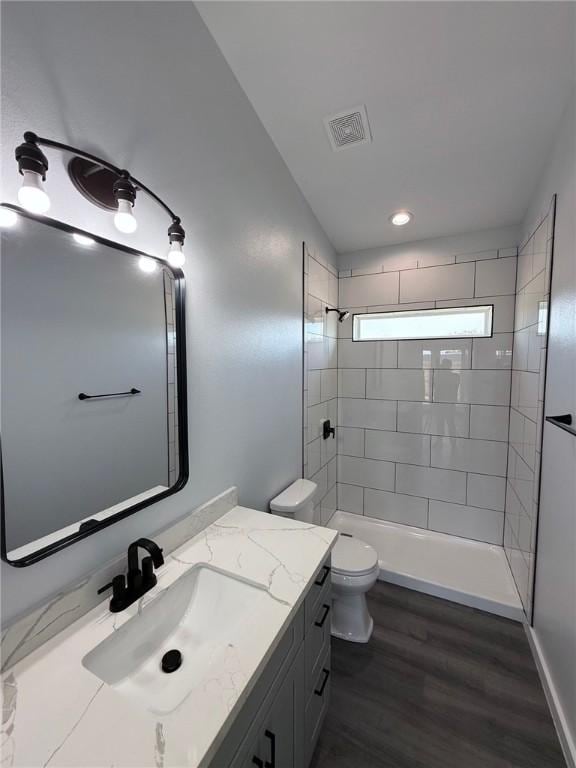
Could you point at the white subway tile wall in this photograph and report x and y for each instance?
(366, 472)
(399, 384)
(350, 441)
(351, 498)
(452, 353)
(369, 289)
(460, 520)
(469, 455)
(320, 381)
(434, 419)
(423, 425)
(352, 382)
(396, 446)
(370, 414)
(526, 406)
(454, 281)
(367, 354)
(409, 510)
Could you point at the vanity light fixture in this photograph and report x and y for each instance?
(8, 218)
(176, 235)
(32, 165)
(125, 196)
(401, 218)
(83, 239)
(101, 182)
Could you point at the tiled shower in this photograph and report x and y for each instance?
(320, 379)
(527, 402)
(437, 434)
(423, 424)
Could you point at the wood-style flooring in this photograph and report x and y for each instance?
(439, 685)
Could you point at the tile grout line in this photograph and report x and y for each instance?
(425, 498)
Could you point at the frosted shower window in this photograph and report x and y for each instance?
(446, 323)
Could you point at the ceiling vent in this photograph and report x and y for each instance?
(348, 128)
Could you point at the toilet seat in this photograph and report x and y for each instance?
(352, 557)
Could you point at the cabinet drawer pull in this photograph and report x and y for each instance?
(257, 762)
(323, 576)
(272, 737)
(320, 691)
(320, 622)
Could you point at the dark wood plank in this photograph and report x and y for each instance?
(439, 685)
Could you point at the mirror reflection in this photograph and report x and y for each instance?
(89, 383)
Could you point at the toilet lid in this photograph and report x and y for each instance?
(353, 556)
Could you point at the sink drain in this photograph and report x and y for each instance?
(171, 661)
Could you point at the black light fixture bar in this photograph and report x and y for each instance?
(33, 138)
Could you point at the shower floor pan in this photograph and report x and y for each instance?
(467, 572)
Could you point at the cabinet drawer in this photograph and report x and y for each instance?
(276, 737)
(317, 637)
(317, 705)
(321, 579)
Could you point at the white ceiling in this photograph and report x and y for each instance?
(463, 100)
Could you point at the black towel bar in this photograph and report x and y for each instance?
(133, 391)
(564, 422)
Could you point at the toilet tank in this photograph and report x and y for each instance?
(296, 501)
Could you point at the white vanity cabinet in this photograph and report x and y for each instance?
(317, 610)
(279, 724)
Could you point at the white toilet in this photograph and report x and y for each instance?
(354, 566)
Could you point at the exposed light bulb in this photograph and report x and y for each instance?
(8, 218)
(31, 194)
(400, 218)
(176, 256)
(147, 264)
(124, 218)
(83, 239)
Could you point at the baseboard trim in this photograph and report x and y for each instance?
(560, 722)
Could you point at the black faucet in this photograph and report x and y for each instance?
(126, 590)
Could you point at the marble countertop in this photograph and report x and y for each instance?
(57, 713)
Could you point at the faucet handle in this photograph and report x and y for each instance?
(118, 585)
(118, 591)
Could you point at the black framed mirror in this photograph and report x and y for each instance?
(93, 407)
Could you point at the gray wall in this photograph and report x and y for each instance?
(78, 320)
(145, 85)
(555, 587)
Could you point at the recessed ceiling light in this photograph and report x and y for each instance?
(83, 239)
(400, 218)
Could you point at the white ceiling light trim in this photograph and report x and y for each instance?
(401, 218)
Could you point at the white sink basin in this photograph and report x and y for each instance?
(202, 615)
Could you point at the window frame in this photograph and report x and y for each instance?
(423, 338)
